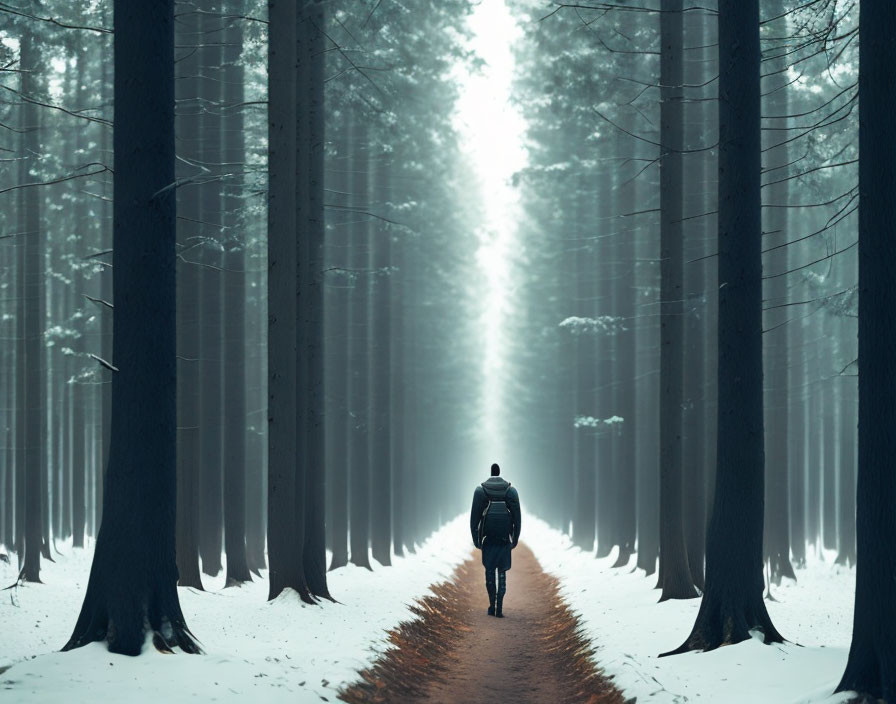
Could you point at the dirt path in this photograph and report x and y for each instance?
(455, 652)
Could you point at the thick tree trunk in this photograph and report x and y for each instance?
(286, 515)
(733, 602)
(675, 578)
(869, 670)
(133, 578)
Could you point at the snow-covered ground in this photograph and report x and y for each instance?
(288, 651)
(255, 651)
(620, 613)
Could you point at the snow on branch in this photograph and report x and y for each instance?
(592, 422)
(602, 324)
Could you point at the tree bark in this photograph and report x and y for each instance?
(235, 420)
(310, 159)
(187, 306)
(358, 324)
(675, 578)
(775, 293)
(133, 578)
(869, 670)
(286, 516)
(626, 345)
(208, 256)
(601, 389)
(380, 340)
(33, 319)
(336, 346)
(583, 524)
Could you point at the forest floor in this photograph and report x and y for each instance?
(455, 652)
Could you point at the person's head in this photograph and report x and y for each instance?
(496, 470)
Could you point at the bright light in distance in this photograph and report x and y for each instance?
(492, 132)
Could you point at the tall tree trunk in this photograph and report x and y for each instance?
(397, 385)
(583, 533)
(336, 341)
(675, 578)
(211, 382)
(21, 412)
(235, 421)
(256, 444)
(187, 305)
(869, 670)
(380, 340)
(775, 338)
(733, 602)
(647, 431)
(133, 578)
(78, 388)
(310, 158)
(32, 284)
(625, 496)
(697, 118)
(107, 322)
(601, 389)
(286, 516)
(359, 409)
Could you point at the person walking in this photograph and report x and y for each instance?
(495, 526)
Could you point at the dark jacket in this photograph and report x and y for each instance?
(496, 553)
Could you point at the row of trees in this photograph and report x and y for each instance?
(692, 261)
(296, 166)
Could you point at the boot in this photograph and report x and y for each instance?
(499, 603)
(491, 599)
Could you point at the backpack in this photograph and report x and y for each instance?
(496, 519)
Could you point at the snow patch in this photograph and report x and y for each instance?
(254, 650)
(619, 613)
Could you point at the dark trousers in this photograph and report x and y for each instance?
(490, 586)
